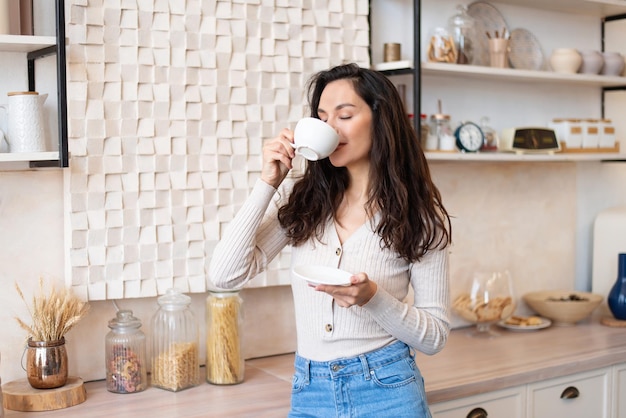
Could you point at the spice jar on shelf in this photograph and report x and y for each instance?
(224, 360)
(175, 363)
(125, 354)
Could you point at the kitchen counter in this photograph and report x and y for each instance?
(466, 366)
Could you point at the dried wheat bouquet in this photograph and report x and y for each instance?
(52, 314)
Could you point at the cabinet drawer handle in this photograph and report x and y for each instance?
(570, 392)
(477, 413)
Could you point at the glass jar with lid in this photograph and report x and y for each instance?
(125, 354)
(441, 129)
(491, 136)
(175, 355)
(224, 319)
(462, 30)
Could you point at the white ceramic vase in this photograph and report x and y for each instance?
(592, 62)
(565, 60)
(613, 63)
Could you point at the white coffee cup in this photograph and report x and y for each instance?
(314, 139)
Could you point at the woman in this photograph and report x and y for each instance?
(372, 209)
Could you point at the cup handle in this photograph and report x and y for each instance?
(306, 152)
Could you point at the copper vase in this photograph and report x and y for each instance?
(46, 364)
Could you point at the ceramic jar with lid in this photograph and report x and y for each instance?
(175, 354)
(591, 133)
(565, 60)
(224, 320)
(607, 134)
(125, 354)
(592, 62)
(568, 131)
(613, 63)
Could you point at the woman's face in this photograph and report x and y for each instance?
(343, 109)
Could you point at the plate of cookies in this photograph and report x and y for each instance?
(525, 323)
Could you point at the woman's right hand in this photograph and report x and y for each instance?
(277, 156)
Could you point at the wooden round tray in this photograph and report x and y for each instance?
(19, 395)
(609, 321)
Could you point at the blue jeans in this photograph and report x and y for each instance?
(382, 383)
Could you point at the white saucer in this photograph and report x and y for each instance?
(322, 275)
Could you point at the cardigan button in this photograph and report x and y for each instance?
(329, 327)
(338, 252)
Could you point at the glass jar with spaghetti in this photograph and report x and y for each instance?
(175, 363)
(224, 360)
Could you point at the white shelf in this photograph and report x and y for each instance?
(7, 157)
(514, 157)
(598, 8)
(510, 74)
(22, 43)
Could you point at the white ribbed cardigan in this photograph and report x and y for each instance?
(326, 331)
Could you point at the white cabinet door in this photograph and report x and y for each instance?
(583, 395)
(619, 390)
(506, 403)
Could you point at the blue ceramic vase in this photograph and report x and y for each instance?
(617, 295)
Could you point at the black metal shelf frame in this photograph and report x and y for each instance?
(613, 88)
(59, 51)
(416, 70)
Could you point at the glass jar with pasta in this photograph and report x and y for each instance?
(224, 360)
(175, 341)
(125, 347)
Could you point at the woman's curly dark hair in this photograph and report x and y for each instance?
(413, 218)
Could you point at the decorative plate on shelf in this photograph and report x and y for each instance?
(525, 51)
(545, 323)
(488, 20)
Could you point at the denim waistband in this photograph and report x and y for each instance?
(360, 364)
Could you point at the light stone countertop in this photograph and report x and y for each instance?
(470, 365)
(466, 366)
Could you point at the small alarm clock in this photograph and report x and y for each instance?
(529, 140)
(469, 137)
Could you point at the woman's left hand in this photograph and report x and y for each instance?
(360, 291)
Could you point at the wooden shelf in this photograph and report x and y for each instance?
(22, 43)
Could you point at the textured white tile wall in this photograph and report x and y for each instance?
(169, 102)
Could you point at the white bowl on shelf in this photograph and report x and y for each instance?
(566, 60)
